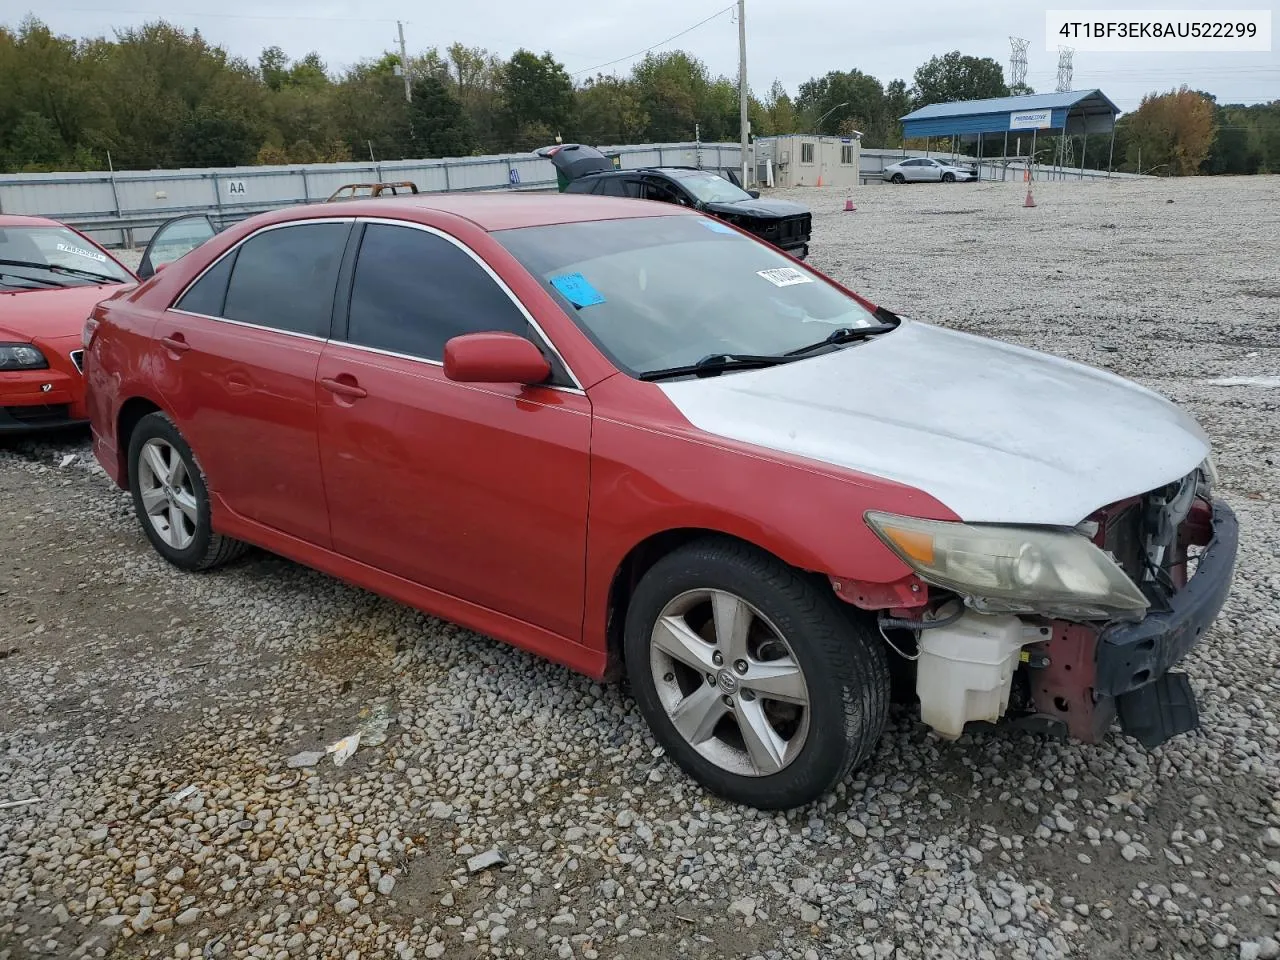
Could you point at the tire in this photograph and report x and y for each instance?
(793, 627)
(948, 178)
(898, 179)
(177, 501)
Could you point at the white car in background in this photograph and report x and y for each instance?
(915, 169)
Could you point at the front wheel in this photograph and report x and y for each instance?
(948, 178)
(898, 178)
(751, 677)
(171, 498)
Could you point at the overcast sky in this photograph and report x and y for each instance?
(790, 40)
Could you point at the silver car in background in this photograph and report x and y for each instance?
(929, 169)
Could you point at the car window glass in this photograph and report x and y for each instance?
(208, 294)
(284, 278)
(657, 190)
(415, 290)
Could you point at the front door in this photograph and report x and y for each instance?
(236, 358)
(476, 490)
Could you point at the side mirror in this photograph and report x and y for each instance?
(494, 358)
(754, 194)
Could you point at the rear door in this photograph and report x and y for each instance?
(476, 490)
(236, 359)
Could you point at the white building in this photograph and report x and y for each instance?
(807, 160)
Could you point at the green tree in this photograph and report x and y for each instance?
(609, 111)
(779, 110)
(440, 127)
(953, 76)
(537, 100)
(672, 88)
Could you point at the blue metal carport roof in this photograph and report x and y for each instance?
(1076, 111)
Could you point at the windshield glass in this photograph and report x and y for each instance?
(713, 188)
(56, 253)
(661, 292)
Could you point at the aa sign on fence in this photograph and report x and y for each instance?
(1031, 120)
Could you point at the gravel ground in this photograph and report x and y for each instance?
(152, 714)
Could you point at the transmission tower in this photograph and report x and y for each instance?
(1064, 69)
(1018, 61)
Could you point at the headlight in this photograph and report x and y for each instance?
(21, 356)
(1012, 569)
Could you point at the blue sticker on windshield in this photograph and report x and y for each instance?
(577, 290)
(715, 226)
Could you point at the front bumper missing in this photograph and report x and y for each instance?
(1090, 678)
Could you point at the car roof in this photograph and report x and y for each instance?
(493, 211)
(21, 220)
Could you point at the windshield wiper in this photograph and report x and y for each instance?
(57, 268)
(718, 363)
(842, 335)
(38, 283)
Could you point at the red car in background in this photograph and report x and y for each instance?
(50, 278)
(628, 437)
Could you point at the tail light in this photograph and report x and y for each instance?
(90, 328)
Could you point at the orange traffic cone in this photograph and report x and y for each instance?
(1030, 201)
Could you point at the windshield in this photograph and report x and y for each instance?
(54, 256)
(661, 292)
(713, 188)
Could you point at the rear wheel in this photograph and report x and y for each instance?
(753, 679)
(171, 498)
(898, 178)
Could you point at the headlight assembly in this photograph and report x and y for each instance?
(1013, 569)
(21, 356)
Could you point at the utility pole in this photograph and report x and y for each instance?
(742, 87)
(404, 64)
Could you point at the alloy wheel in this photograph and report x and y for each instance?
(168, 496)
(729, 682)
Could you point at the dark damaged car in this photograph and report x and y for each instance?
(782, 223)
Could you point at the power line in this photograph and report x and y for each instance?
(663, 43)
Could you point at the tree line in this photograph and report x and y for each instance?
(157, 96)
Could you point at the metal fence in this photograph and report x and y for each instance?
(872, 162)
(124, 208)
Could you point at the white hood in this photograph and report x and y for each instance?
(997, 433)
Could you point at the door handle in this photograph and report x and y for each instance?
(344, 388)
(176, 343)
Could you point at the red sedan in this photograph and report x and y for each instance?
(50, 278)
(628, 437)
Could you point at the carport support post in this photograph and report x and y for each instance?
(1084, 145)
(979, 155)
(1111, 151)
(1004, 157)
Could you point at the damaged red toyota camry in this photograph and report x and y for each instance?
(636, 440)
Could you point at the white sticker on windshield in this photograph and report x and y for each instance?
(785, 276)
(82, 252)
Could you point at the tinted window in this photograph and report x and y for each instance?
(208, 294)
(659, 190)
(284, 278)
(620, 187)
(415, 290)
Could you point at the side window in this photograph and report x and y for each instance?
(620, 187)
(285, 278)
(806, 153)
(208, 295)
(846, 155)
(414, 290)
(659, 190)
